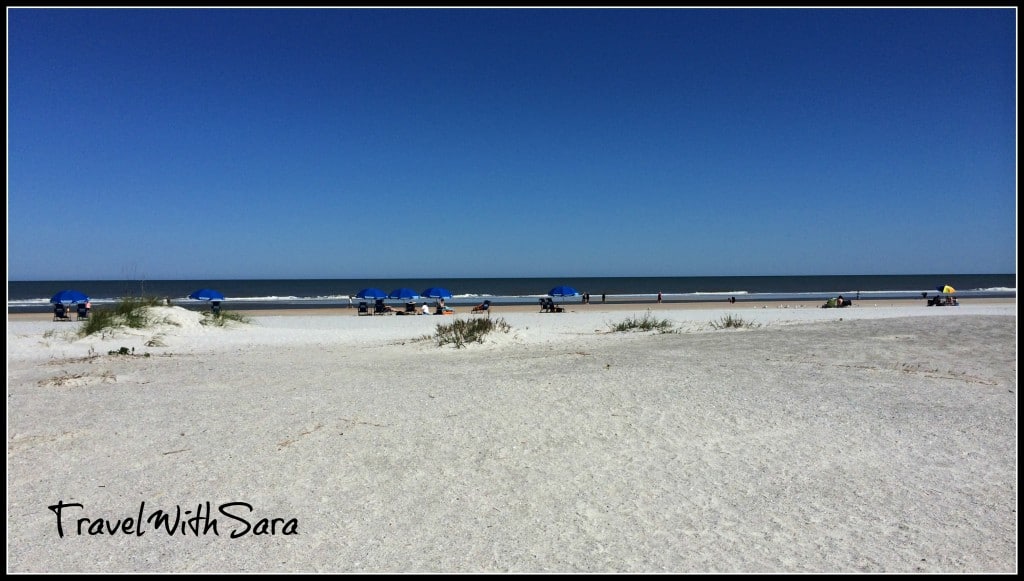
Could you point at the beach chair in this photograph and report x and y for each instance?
(484, 307)
(83, 313)
(215, 308)
(548, 306)
(60, 313)
(410, 308)
(364, 309)
(379, 308)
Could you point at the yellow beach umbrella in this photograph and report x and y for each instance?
(947, 289)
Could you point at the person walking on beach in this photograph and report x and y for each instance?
(659, 296)
(350, 301)
(602, 297)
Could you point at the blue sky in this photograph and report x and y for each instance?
(350, 143)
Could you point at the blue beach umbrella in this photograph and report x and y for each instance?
(403, 293)
(206, 294)
(436, 292)
(563, 291)
(372, 293)
(69, 296)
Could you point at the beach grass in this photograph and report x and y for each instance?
(462, 331)
(732, 322)
(137, 313)
(132, 312)
(99, 320)
(647, 322)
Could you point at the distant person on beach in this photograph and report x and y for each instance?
(602, 297)
(732, 300)
(426, 309)
(350, 301)
(659, 296)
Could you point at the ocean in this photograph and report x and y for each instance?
(255, 294)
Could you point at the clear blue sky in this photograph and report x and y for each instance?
(353, 143)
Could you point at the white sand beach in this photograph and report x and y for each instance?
(866, 439)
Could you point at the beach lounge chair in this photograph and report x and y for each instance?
(60, 313)
(410, 307)
(543, 305)
(215, 308)
(484, 307)
(379, 308)
(83, 313)
(363, 309)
